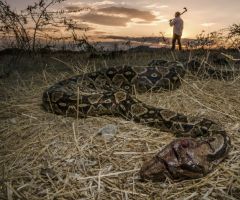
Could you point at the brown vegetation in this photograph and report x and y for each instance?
(45, 156)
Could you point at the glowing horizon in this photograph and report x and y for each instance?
(141, 18)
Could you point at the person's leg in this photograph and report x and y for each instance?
(174, 41)
(179, 42)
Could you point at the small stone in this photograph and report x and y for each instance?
(13, 121)
(108, 131)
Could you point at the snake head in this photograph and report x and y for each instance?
(185, 158)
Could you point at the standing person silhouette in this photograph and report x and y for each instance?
(177, 24)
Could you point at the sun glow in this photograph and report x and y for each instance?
(141, 19)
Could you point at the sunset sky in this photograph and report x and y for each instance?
(149, 17)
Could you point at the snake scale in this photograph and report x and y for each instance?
(201, 144)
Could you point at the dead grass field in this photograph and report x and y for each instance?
(45, 156)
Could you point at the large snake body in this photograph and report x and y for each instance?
(203, 145)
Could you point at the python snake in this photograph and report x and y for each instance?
(203, 143)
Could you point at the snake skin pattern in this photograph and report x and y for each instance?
(203, 143)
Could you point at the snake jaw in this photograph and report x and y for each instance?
(184, 158)
(188, 158)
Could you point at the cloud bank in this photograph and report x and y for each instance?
(115, 16)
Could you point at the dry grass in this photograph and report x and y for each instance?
(45, 156)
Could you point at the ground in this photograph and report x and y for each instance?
(45, 156)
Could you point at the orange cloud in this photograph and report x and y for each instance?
(102, 19)
(116, 16)
(129, 12)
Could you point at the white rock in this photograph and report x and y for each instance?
(13, 121)
(108, 131)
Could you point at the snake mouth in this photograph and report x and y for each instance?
(162, 165)
(188, 162)
(185, 158)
